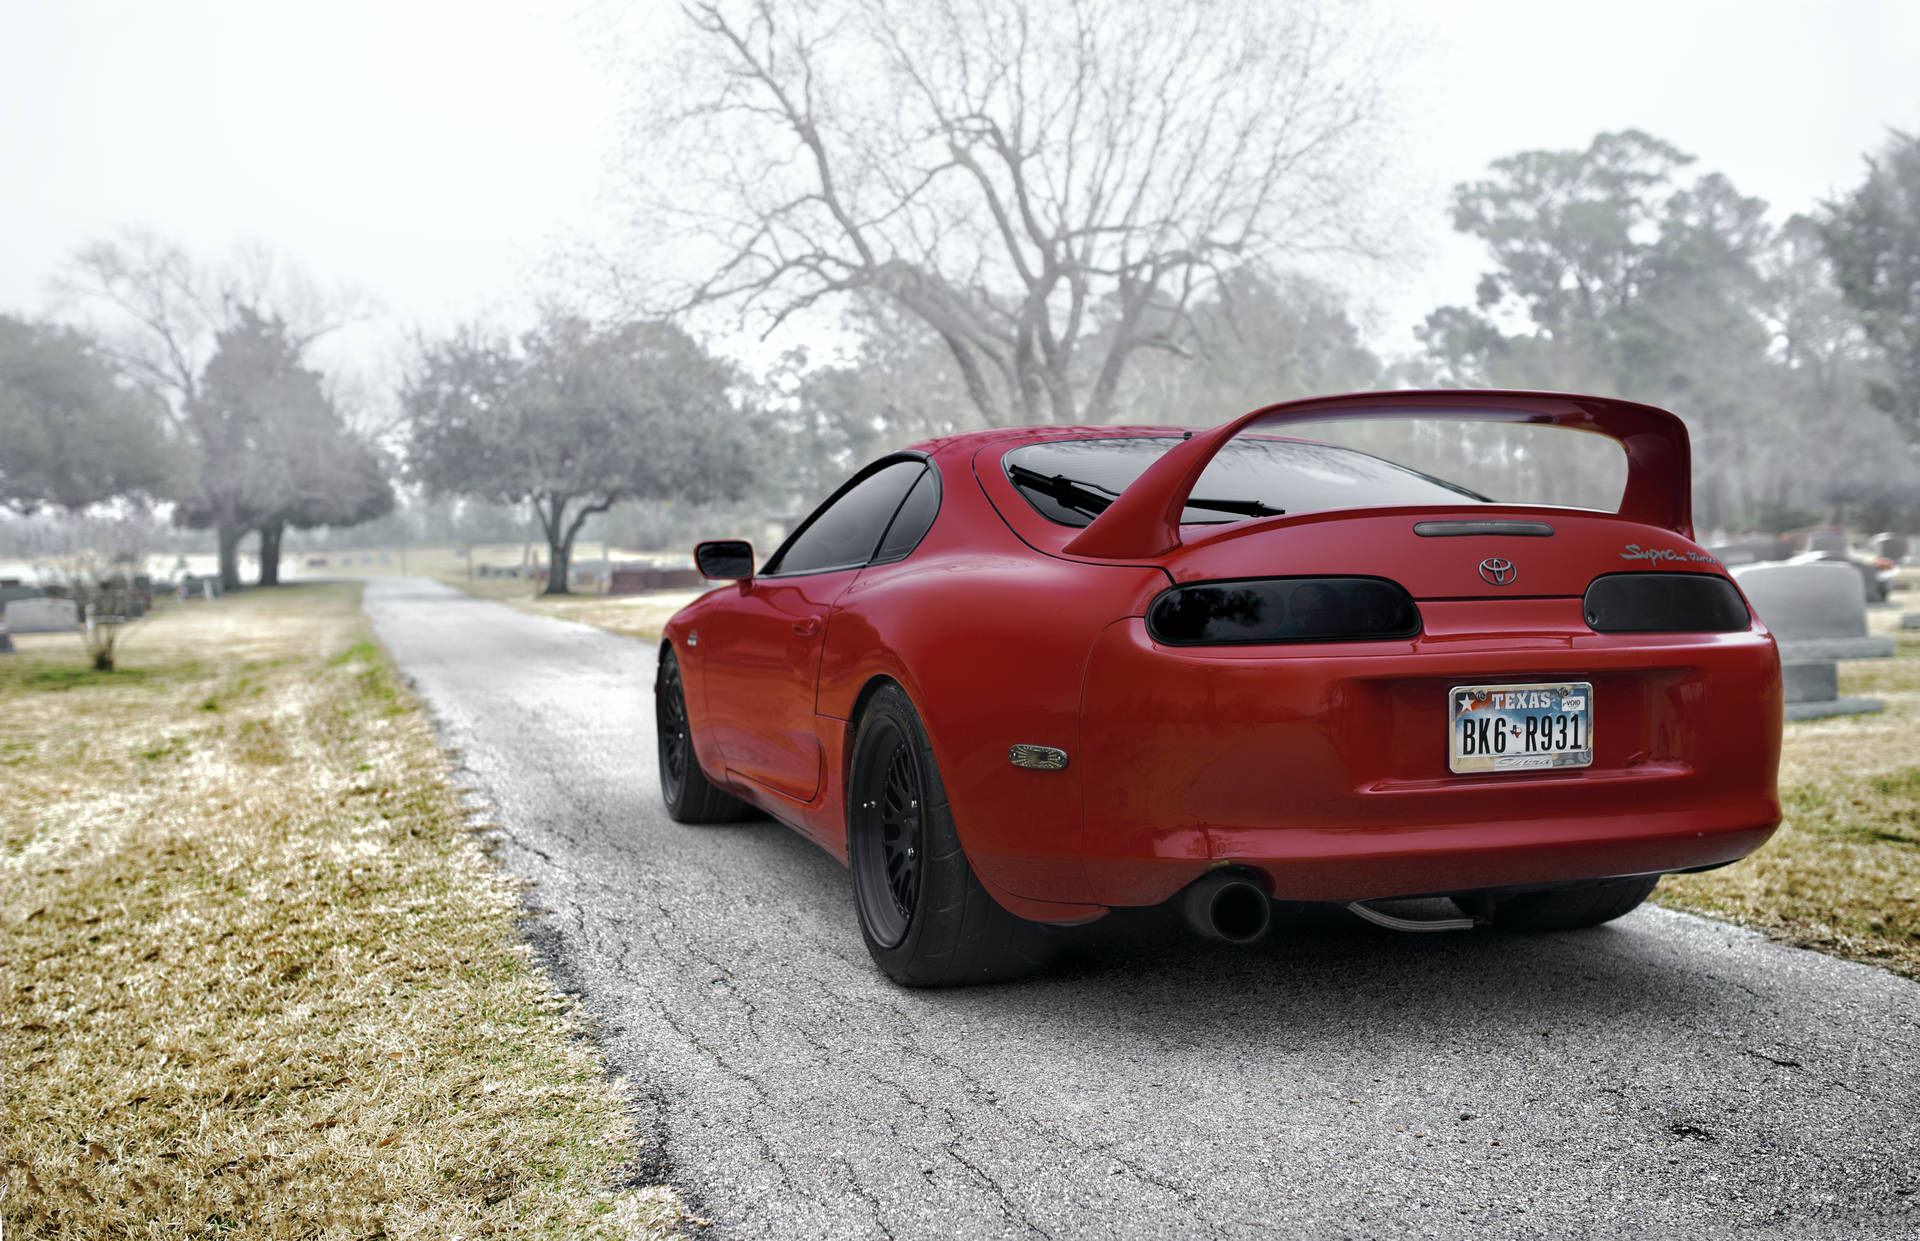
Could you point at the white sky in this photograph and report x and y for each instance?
(432, 152)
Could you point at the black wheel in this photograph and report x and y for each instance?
(1570, 908)
(925, 917)
(690, 796)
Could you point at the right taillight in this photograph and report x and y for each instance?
(1665, 603)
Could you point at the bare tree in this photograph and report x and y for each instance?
(1049, 187)
(167, 318)
(97, 558)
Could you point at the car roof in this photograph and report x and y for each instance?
(966, 443)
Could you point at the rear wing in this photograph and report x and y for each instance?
(1145, 520)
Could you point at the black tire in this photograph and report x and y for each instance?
(925, 917)
(1573, 907)
(690, 796)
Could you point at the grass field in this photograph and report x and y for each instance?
(261, 980)
(1842, 875)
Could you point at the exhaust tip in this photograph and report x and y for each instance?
(1229, 907)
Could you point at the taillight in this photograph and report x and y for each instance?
(1283, 609)
(1665, 603)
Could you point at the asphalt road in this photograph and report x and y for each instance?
(1663, 1076)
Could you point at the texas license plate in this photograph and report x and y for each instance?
(1519, 727)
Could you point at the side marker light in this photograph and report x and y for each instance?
(1037, 757)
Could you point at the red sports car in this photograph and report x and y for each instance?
(1018, 678)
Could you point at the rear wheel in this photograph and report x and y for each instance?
(690, 796)
(1570, 908)
(925, 917)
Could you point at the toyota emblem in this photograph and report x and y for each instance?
(1497, 570)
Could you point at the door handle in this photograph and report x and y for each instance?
(808, 627)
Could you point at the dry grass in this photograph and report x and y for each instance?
(636, 616)
(260, 978)
(1842, 875)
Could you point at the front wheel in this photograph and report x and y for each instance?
(926, 918)
(690, 796)
(1573, 907)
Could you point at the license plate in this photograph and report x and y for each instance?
(1519, 727)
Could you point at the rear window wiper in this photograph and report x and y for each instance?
(1093, 499)
(1081, 497)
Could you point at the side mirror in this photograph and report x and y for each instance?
(725, 560)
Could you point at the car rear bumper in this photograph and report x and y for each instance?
(1324, 767)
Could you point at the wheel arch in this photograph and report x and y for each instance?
(851, 726)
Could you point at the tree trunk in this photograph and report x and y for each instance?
(270, 552)
(559, 559)
(230, 535)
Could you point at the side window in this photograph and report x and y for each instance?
(912, 522)
(843, 533)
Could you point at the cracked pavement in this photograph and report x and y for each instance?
(1665, 1075)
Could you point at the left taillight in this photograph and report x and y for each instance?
(1283, 609)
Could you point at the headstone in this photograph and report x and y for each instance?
(1862, 568)
(1827, 542)
(9, 593)
(1745, 551)
(1910, 620)
(630, 580)
(1892, 546)
(1818, 615)
(6, 643)
(42, 616)
(1815, 609)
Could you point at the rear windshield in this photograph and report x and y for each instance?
(1252, 476)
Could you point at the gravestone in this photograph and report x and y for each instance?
(9, 593)
(1893, 546)
(1817, 615)
(6, 643)
(628, 579)
(42, 616)
(1862, 568)
(1745, 551)
(1910, 620)
(1827, 542)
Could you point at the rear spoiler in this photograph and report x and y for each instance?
(1145, 520)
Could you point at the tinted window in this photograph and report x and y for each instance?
(1284, 474)
(843, 532)
(914, 519)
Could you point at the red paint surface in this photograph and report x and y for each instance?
(1322, 766)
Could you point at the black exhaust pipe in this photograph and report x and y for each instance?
(1228, 905)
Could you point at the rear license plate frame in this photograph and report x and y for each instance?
(1508, 734)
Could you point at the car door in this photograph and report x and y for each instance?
(762, 650)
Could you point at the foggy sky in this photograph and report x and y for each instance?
(432, 153)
